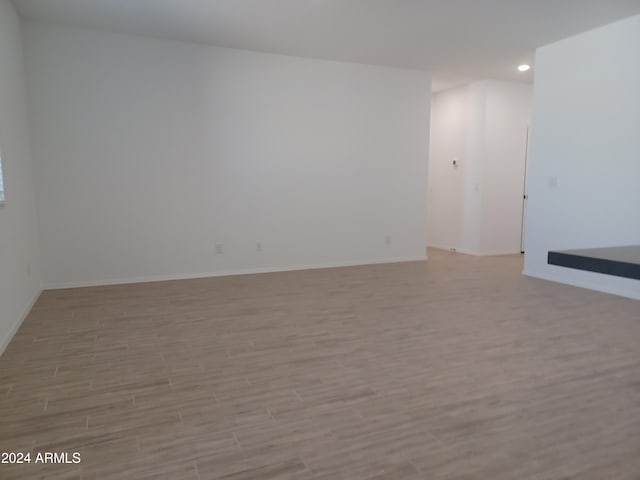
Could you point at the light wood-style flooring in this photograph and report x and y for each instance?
(460, 368)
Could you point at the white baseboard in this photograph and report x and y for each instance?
(224, 273)
(495, 253)
(455, 249)
(597, 286)
(4, 342)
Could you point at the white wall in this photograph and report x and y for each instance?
(446, 184)
(586, 136)
(19, 265)
(472, 166)
(148, 152)
(477, 207)
(508, 115)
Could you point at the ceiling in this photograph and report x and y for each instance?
(458, 40)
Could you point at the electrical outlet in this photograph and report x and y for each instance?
(258, 246)
(219, 248)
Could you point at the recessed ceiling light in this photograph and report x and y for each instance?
(524, 67)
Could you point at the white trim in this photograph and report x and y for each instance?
(464, 251)
(448, 249)
(621, 292)
(438, 247)
(498, 253)
(4, 342)
(477, 254)
(224, 273)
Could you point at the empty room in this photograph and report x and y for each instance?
(319, 239)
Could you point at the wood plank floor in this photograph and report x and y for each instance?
(457, 369)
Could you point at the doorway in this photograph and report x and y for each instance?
(477, 168)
